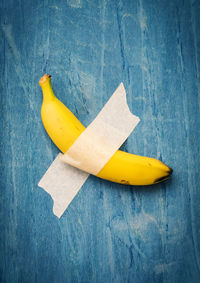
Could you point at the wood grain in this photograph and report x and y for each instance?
(110, 232)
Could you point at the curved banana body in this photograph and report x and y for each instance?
(64, 128)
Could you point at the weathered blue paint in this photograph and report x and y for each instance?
(110, 232)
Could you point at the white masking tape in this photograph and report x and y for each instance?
(90, 152)
(103, 137)
(62, 182)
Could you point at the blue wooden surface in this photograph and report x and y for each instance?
(110, 232)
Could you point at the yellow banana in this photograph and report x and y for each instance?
(64, 128)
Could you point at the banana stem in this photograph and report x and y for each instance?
(45, 83)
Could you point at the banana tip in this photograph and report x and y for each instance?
(169, 173)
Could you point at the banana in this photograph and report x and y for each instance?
(64, 128)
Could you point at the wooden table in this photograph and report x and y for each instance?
(109, 233)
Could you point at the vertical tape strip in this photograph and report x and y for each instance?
(90, 152)
(104, 136)
(62, 182)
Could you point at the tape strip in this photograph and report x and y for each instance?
(90, 152)
(103, 137)
(62, 182)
